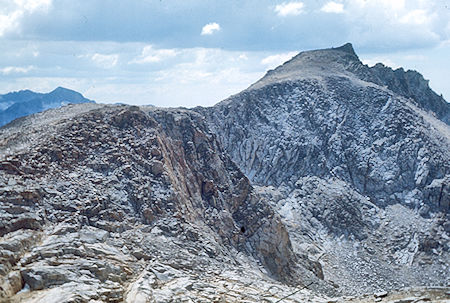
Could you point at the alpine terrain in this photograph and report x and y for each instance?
(355, 159)
(18, 104)
(325, 181)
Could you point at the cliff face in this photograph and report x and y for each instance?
(411, 84)
(303, 119)
(323, 118)
(324, 177)
(98, 198)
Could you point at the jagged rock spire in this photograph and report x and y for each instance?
(347, 48)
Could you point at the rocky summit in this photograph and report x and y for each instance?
(356, 162)
(325, 181)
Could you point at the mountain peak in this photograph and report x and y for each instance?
(347, 48)
(26, 102)
(65, 94)
(313, 64)
(343, 61)
(61, 89)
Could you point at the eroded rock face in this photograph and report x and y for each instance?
(361, 247)
(98, 200)
(411, 84)
(137, 204)
(353, 149)
(379, 143)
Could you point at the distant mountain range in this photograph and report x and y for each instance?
(26, 102)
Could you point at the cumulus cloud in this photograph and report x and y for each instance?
(268, 25)
(16, 70)
(289, 9)
(32, 5)
(206, 76)
(243, 57)
(333, 7)
(9, 21)
(417, 17)
(13, 12)
(275, 60)
(393, 6)
(105, 61)
(210, 28)
(395, 25)
(152, 55)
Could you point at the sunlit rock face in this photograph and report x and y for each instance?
(105, 202)
(324, 178)
(357, 153)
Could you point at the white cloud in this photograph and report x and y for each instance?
(151, 55)
(243, 57)
(210, 28)
(415, 57)
(417, 17)
(16, 70)
(9, 21)
(275, 60)
(447, 31)
(204, 76)
(12, 13)
(333, 7)
(387, 24)
(105, 61)
(289, 9)
(391, 5)
(32, 5)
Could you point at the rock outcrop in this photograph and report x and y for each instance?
(326, 177)
(109, 203)
(411, 84)
(348, 150)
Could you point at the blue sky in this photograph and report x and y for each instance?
(187, 53)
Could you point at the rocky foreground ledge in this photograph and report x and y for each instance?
(120, 203)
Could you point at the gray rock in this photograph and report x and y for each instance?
(101, 198)
(103, 203)
(381, 294)
(375, 136)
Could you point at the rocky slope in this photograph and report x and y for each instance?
(23, 103)
(324, 178)
(354, 161)
(411, 84)
(126, 204)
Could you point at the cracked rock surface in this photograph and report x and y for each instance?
(127, 204)
(325, 181)
(355, 160)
